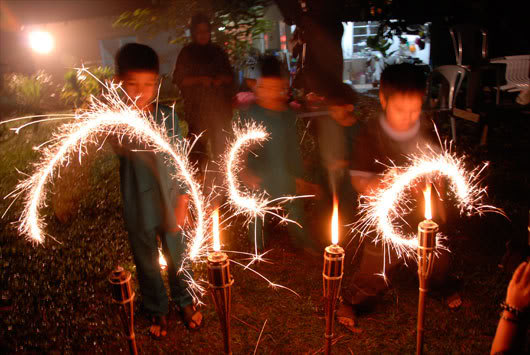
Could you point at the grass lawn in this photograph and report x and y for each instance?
(61, 300)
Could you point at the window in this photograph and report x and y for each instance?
(361, 31)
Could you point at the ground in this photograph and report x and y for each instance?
(56, 296)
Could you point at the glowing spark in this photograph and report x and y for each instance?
(381, 207)
(335, 222)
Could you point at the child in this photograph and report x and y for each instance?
(153, 205)
(335, 136)
(398, 132)
(277, 166)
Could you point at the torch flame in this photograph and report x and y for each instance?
(335, 222)
(215, 227)
(427, 196)
(161, 260)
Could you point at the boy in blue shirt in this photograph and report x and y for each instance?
(277, 165)
(153, 204)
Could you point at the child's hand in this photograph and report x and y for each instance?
(518, 294)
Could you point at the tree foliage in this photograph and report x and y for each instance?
(234, 22)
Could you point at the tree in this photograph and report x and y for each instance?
(235, 23)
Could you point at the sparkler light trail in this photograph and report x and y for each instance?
(110, 116)
(241, 199)
(380, 208)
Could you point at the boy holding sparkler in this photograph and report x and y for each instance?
(399, 131)
(153, 204)
(277, 165)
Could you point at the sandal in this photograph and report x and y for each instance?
(161, 323)
(454, 301)
(346, 316)
(187, 313)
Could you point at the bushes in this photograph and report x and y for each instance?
(29, 94)
(80, 86)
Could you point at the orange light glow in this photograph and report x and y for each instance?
(427, 196)
(161, 260)
(335, 222)
(215, 227)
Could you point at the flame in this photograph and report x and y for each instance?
(161, 260)
(335, 222)
(427, 196)
(215, 228)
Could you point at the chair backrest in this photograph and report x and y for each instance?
(470, 43)
(517, 69)
(453, 76)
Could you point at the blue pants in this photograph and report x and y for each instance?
(145, 252)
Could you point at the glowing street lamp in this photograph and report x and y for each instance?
(41, 42)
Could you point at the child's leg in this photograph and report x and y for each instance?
(145, 252)
(299, 236)
(174, 247)
(367, 283)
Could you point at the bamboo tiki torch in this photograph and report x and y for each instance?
(427, 231)
(123, 297)
(220, 282)
(332, 276)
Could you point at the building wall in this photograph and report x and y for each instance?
(88, 42)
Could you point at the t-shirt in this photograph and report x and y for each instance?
(377, 146)
(148, 190)
(278, 161)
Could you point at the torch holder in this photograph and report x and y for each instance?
(427, 231)
(220, 282)
(123, 297)
(332, 279)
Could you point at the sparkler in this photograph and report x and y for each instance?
(381, 207)
(332, 275)
(220, 282)
(110, 117)
(241, 199)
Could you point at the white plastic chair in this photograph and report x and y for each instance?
(453, 75)
(458, 34)
(473, 38)
(517, 72)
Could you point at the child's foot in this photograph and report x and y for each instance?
(158, 328)
(454, 301)
(192, 317)
(346, 316)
